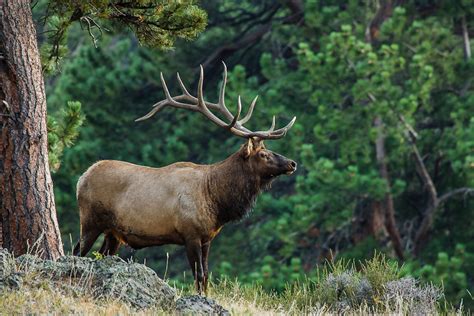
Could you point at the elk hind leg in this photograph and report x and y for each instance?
(205, 265)
(194, 254)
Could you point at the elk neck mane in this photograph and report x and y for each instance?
(233, 188)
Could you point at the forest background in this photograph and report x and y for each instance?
(384, 135)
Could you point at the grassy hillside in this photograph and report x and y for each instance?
(29, 285)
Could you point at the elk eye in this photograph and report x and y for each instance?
(262, 155)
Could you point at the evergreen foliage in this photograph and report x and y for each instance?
(155, 23)
(63, 130)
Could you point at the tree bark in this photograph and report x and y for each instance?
(27, 210)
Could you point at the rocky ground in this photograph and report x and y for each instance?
(108, 278)
(112, 286)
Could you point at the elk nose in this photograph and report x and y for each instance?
(292, 164)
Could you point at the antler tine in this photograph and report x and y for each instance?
(236, 117)
(274, 134)
(285, 129)
(160, 105)
(172, 101)
(221, 104)
(183, 87)
(156, 108)
(165, 89)
(200, 93)
(249, 113)
(224, 83)
(273, 124)
(202, 106)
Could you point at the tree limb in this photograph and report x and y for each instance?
(467, 53)
(434, 201)
(427, 221)
(228, 49)
(390, 222)
(425, 176)
(248, 37)
(450, 194)
(465, 38)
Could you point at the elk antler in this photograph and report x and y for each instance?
(198, 104)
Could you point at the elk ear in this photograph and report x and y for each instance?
(248, 148)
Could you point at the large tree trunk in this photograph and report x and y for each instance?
(27, 210)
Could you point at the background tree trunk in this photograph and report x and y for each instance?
(27, 209)
(384, 11)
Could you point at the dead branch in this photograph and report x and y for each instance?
(434, 201)
(465, 38)
(465, 191)
(252, 35)
(222, 52)
(90, 25)
(467, 53)
(390, 222)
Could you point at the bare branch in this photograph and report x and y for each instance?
(465, 38)
(257, 30)
(465, 191)
(390, 222)
(433, 194)
(434, 201)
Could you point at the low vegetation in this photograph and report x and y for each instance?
(374, 286)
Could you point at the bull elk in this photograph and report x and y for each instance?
(183, 203)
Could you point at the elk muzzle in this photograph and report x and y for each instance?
(291, 166)
(286, 166)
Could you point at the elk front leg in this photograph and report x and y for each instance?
(110, 246)
(194, 253)
(205, 255)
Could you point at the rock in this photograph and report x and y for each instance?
(199, 305)
(107, 278)
(131, 282)
(12, 281)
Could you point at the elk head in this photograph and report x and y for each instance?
(264, 162)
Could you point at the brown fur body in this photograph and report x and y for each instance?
(183, 203)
